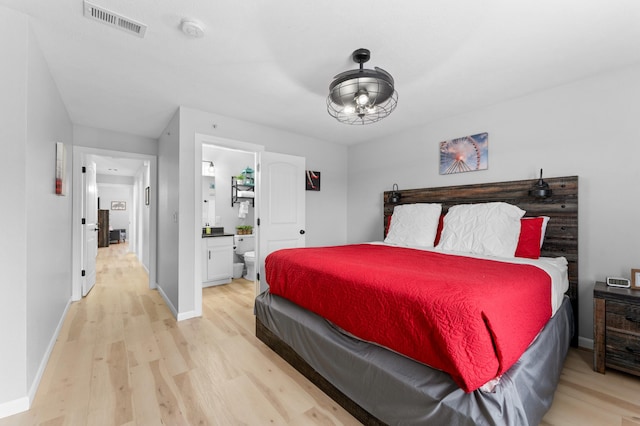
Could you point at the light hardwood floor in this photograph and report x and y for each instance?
(121, 359)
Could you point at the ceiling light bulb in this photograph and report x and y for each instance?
(362, 99)
(349, 109)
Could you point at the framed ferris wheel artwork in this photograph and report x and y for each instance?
(465, 154)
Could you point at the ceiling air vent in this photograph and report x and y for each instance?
(105, 16)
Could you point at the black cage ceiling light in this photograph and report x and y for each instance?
(361, 96)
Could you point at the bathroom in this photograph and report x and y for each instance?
(228, 209)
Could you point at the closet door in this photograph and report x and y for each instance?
(103, 226)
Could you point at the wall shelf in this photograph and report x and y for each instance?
(238, 187)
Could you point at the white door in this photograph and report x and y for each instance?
(90, 227)
(281, 203)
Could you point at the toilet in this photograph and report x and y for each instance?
(245, 249)
(250, 263)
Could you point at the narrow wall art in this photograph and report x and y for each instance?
(313, 180)
(60, 168)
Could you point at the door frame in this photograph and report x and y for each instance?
(200, 140)
(80, 155)
(85, 182)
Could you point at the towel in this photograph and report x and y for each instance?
(243, 210)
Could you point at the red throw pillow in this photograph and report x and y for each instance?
(530, 235)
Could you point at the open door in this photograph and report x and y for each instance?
(281, 216)
(90, 227)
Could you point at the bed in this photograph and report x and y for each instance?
(379, 384)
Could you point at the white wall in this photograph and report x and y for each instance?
(325, 210)
(168, 185)
(35, 261)
(588, 128)
(91, 137)
(48, 260)
(13, 256)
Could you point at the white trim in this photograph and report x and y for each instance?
(197, 232)
(45, 359)
(22, 404)
(201, 139)
(226, 143)
(16, 406)
(172, 308)
(76, 227)
(183, 315)
(188, 315)
(116, 185)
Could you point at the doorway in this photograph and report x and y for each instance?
(279, 204)
(216, 206)
(142, 232)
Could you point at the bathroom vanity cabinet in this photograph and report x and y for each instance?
(217, 260)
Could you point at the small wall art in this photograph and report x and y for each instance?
(118, 205)
(465, 154)
(313, 180)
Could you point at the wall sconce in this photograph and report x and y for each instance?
(540, 189)
(395, 196)
(207, 168)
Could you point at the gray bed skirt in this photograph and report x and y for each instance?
(398, 390)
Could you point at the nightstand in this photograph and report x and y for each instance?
(616, 328)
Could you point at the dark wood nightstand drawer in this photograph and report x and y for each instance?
(616, 328)
(623, 316)
(623, 351)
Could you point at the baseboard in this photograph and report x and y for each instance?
(178, 316)
(24, 403)
(583, 342)
(45, 359)
(186, 315)
(16, 406)
(172, 308)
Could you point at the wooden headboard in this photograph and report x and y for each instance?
(561, 238)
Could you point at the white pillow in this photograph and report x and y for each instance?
(414, 225)
(487, 228)
(545, 221)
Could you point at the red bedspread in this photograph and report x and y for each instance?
(471, 318)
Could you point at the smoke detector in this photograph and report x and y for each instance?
(192, 28)
(115, 20)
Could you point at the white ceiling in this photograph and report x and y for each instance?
(271, 62)
(117, 166)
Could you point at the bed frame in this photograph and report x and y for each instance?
(561, 240)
